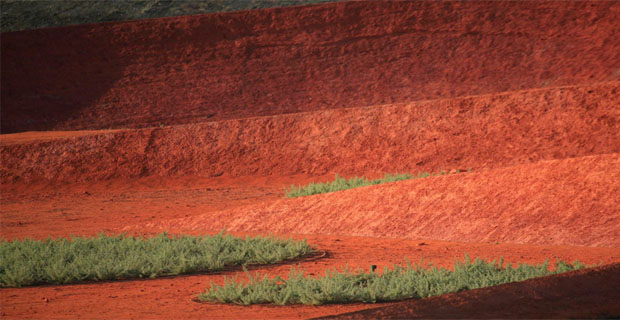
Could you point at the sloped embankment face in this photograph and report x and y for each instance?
(265, 62)
(557, 202)
(481, 132)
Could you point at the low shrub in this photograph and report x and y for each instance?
(395, 284)
(61, 261)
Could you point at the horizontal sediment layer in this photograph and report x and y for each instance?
(253, 63)
(480, 132)
(557, 202)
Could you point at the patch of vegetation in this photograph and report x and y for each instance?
(33, 14)
(339, 183)
(396, 284)
(61, 261)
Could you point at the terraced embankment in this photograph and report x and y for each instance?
(264, 62)
(487, 131)
(213, 115)
(557, 202)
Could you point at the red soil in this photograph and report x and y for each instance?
(525, 93)
(60, 210)
(266, 62)
(54, 209)
(572, 202)
(481, 132)
(38, 136)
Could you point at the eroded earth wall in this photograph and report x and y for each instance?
(485, 131)
(264, 62)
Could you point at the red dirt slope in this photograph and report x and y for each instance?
(266, 62)
(569, 202)
(480, 131)
(583, 294)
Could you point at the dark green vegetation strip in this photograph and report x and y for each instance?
(60, 261)
(341, 183)
(396, 284)
(33, 14)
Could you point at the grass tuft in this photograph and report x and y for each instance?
(339, 183)
(395, 284)
(61, 261)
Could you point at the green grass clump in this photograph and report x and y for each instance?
(341, 183)
(396, 284)
(62, 261)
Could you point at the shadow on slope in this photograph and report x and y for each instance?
(583, 294)
(50, 76)
(285, 60)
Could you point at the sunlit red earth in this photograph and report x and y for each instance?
(197, 124)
